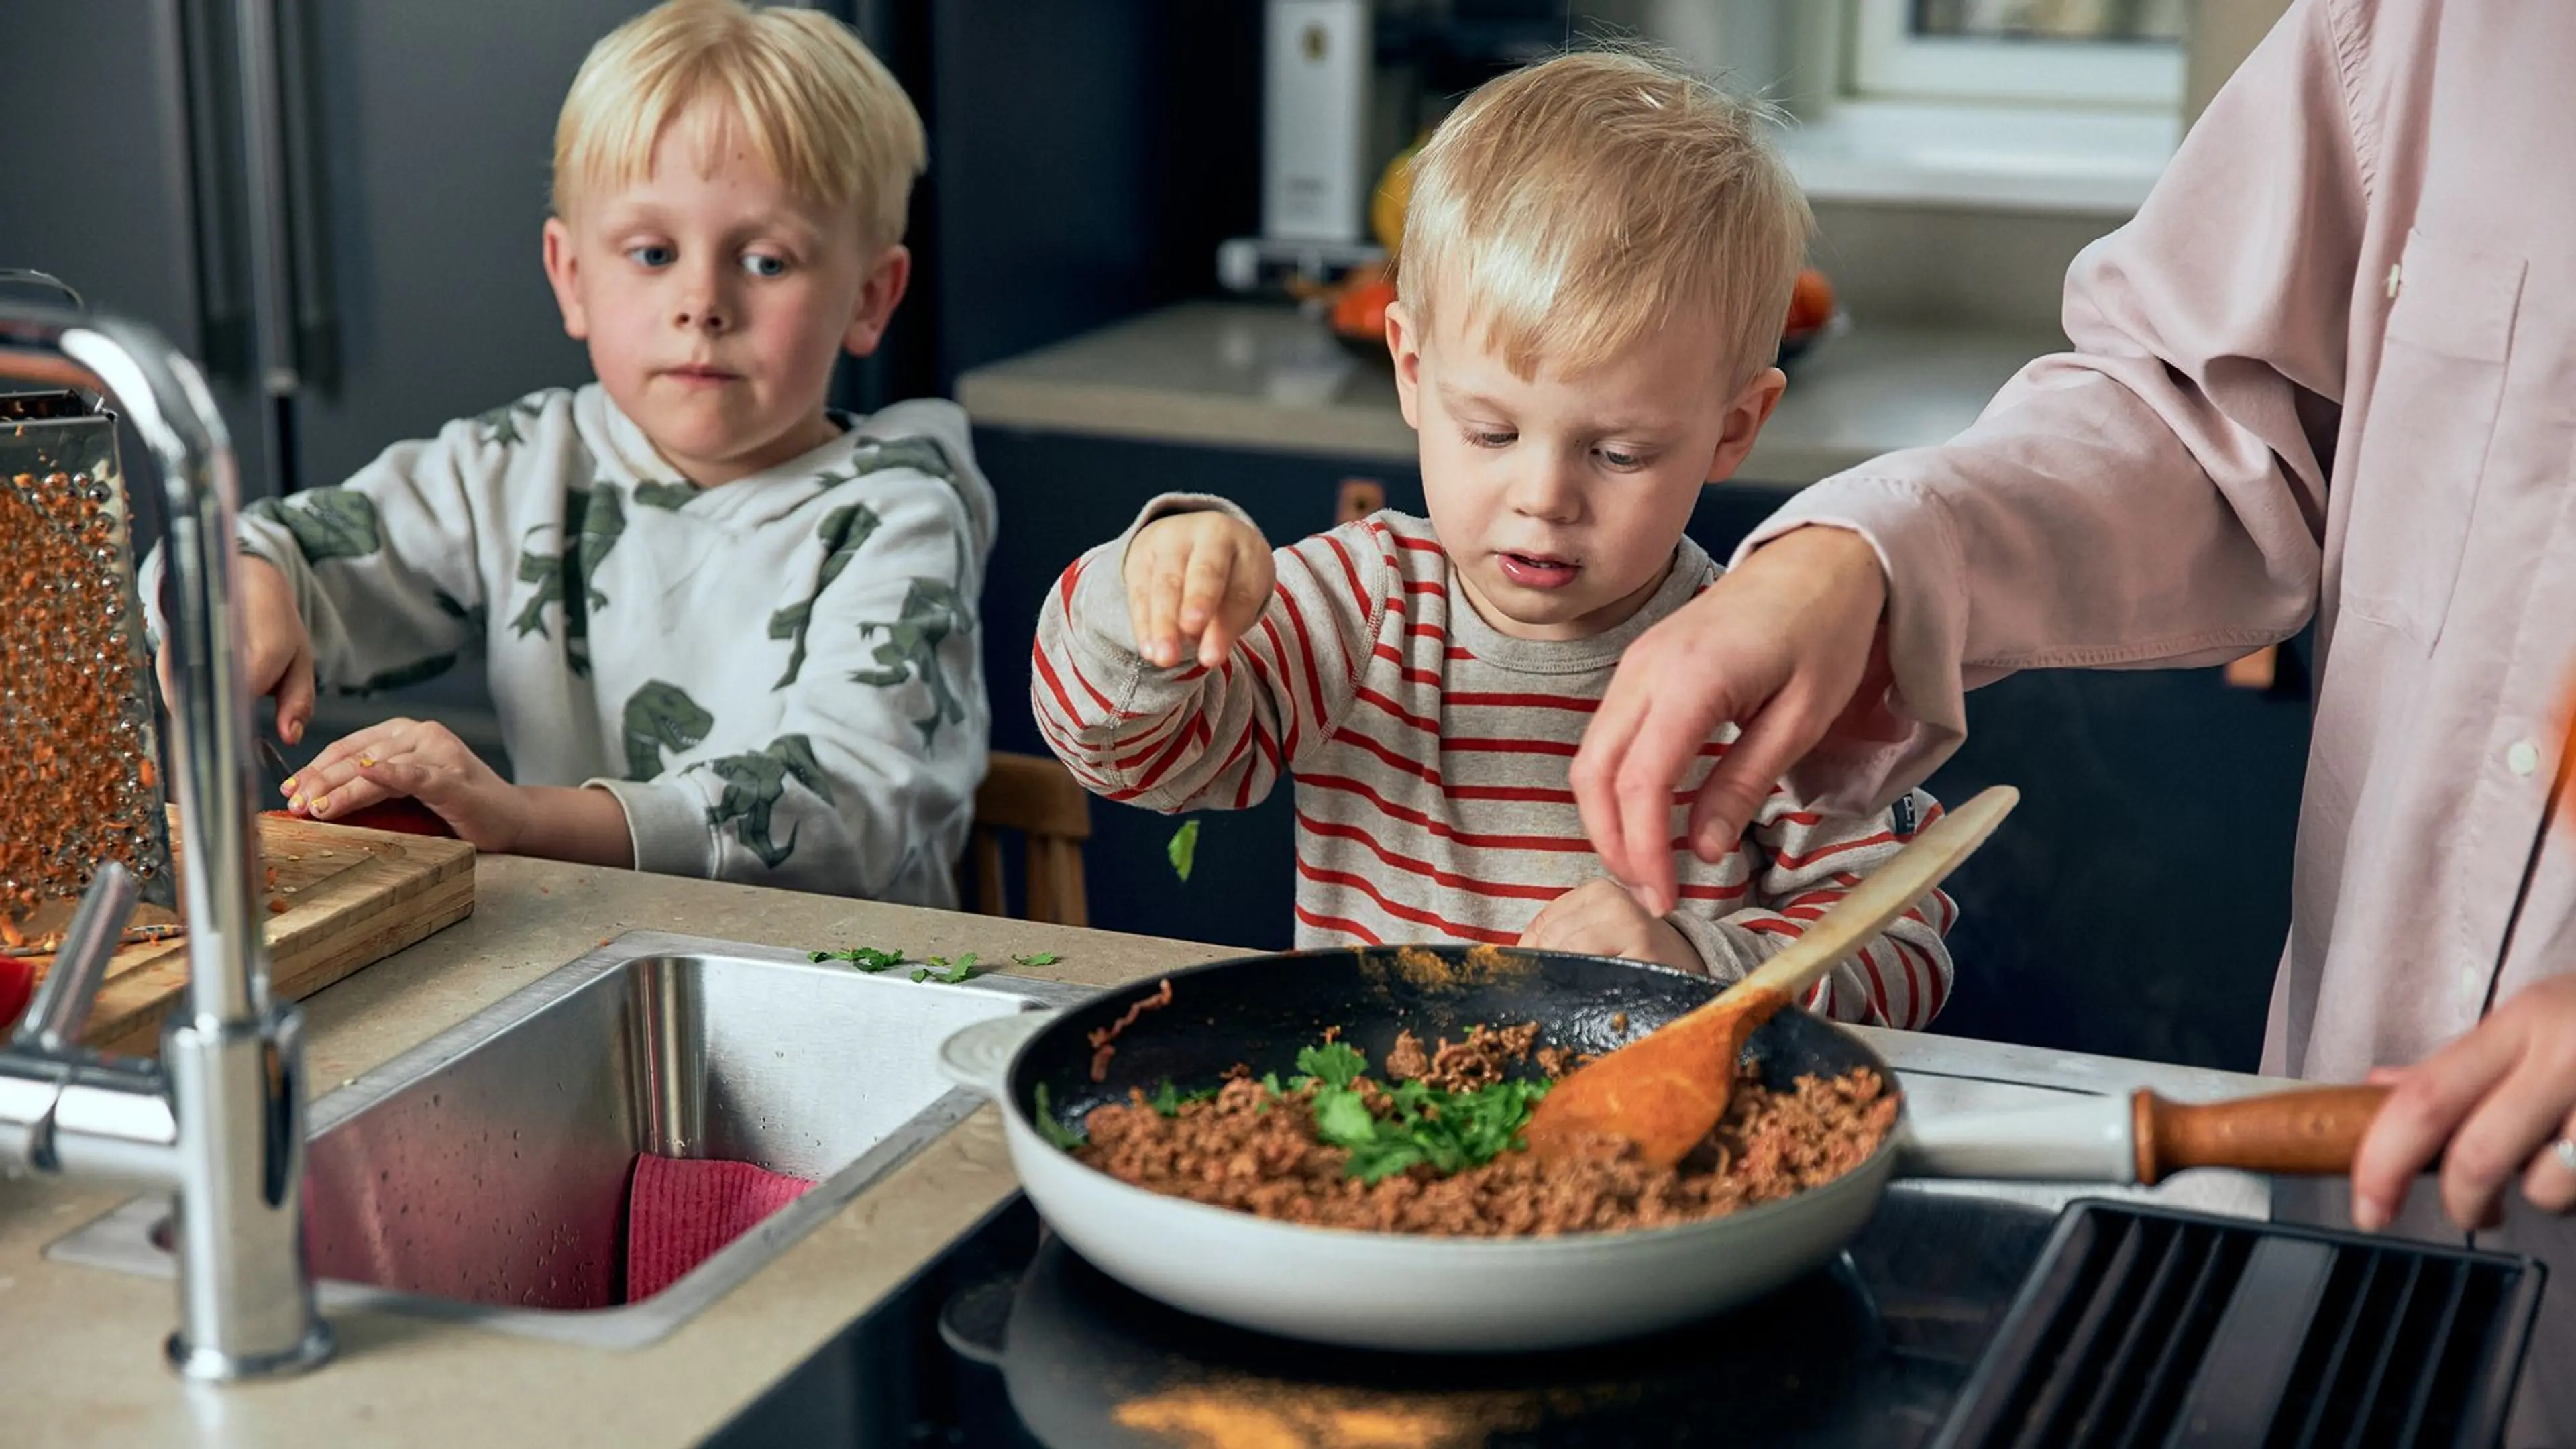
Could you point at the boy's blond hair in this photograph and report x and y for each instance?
(821, 111)
(1575, 206)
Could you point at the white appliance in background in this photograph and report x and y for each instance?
(1317, 57)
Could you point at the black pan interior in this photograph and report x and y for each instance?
(1259, 1010)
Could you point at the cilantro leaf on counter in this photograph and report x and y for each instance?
(1037, 958)
(948, 972)
(1184, 849)
(866, 958)
(1065, 1138)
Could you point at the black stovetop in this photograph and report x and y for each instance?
(1011, 1339)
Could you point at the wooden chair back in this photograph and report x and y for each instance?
(1038, 799)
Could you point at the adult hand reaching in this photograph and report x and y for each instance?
(2499, 1104)
(1790, 646)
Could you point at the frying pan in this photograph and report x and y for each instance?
(1462, 1295)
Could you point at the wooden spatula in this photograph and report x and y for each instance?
(1666, 1091)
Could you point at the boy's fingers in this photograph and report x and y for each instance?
(1203, 587)
(355, 793)
(1245, 597)
(295, 697)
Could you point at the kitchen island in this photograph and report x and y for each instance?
(80, 1347)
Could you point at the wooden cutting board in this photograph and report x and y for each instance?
(351, 898)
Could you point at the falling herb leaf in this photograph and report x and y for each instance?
(1038, 958)
(1065, 1138)
(921, 975)
(1184, 848)
(866, 958)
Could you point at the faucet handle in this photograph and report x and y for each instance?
(62, 1003)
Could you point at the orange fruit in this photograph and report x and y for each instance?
(1811, 302)
(1360, 311)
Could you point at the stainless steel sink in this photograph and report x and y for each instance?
(483, 1175)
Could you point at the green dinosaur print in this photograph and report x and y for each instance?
(931, 612)
(673, 496)
(755, 783)
(923, 455)
(501, 424)
(843, 530)
(875, 455)
(661, 717)
(476, 619)
(596, 520)
(401, 676)
(328, 523)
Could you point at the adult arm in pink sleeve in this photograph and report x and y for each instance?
(2156, 495)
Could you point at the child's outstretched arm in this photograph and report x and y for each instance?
(1184, 664)
(381, 571)
(1807, 861)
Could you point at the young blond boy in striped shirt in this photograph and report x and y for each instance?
(1596, 258)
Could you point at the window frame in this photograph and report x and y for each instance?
(1886, 61)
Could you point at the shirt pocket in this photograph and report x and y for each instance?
(2423, 446)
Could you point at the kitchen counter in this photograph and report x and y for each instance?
(80, 1347)
(1263, 376)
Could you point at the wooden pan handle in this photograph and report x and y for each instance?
(2313, 1131)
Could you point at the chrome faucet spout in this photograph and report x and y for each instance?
(220, 1121)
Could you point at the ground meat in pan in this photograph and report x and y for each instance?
(1254, 1152)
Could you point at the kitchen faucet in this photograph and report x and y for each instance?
(219, 1119)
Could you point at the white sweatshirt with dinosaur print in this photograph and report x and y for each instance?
(781, 678)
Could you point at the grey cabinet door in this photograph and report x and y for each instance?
(434, 125)
(98, 182)
(94, 167)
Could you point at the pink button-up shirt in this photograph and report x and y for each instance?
(2329, 370)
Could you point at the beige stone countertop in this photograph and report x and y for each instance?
(80, 1347)
(1264, 376)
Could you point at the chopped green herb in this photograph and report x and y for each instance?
(1335, 1063)
(1184, 848)
(1038, 958)
(866, 958)
(1449, 1131)
(941, 969)
(1169, 1100)
(1065, 1138)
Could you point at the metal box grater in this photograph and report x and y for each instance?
(80, 779)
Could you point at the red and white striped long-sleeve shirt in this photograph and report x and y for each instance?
(1430, 755)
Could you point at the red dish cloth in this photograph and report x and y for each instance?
(679, 1211)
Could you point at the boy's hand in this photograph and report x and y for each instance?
(1600, 918)
(275, 647)
(419, 759)
(1195, 582)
